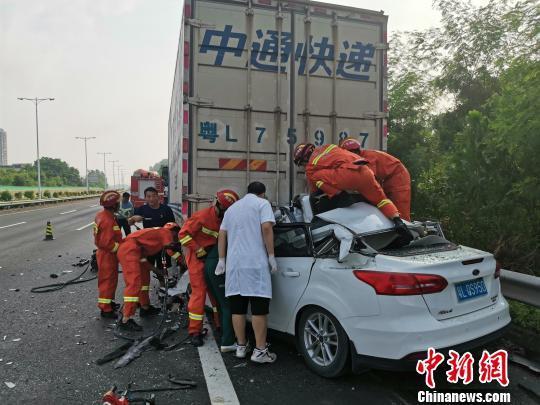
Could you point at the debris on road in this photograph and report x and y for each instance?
(14, 289)
(9, 384)
(52, 275)
(16, 340)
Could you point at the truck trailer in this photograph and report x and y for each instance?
(254, 78)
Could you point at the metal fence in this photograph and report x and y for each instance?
(521, 287)
(28, 203)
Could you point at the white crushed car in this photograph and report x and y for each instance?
(353, 297)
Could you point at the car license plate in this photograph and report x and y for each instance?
(471, 289)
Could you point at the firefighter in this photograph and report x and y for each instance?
(107, 238)
(332, 170)
(136, 269)
(199, 233)
(391, 174)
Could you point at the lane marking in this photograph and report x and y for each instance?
(218, 382)
(86, 226)
(9, 226)
(67, 212)
(95, 205)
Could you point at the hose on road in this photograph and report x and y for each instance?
(58, 286)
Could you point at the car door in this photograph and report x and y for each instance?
(294, 257)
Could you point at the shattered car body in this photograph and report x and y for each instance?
(348, 291)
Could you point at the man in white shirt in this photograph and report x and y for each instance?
(246, 239)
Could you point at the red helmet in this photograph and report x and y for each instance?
(109, 198)
(172, 226)
(302, 152)
(350, 144)
(226, 198)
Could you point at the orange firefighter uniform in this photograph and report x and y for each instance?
(136, 269)
(393, 177)
(199, 232)
(333, 170)
(107, 238)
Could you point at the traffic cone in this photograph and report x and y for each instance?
(48, 231)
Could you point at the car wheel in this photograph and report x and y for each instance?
(322, 342)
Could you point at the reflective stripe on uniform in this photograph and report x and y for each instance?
(209, 232)
(95, 228)
(384, 202)
(116, 228)
(319, 184)
(144, 259)
(326, 151)
(214, 309)
(131, 299)
(115, 248)
(176, 255)
(186, 239)
(104, 300)
(195, 317)
(145, 288)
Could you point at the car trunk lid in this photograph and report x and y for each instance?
(469, 273)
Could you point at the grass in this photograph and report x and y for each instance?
(526, 316)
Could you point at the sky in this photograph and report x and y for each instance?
(109, 64)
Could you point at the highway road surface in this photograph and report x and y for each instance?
(49, 342)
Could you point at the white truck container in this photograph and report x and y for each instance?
(239, 106)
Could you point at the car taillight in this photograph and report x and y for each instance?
(389, 283)
(497, 270)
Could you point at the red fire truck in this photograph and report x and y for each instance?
(142, 179)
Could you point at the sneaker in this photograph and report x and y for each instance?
(230, 348)
(129, 326)
(241, 351)
(263, 356)
(150, 311)
(197, 340)
(109, 314)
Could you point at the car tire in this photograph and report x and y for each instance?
(322, 342)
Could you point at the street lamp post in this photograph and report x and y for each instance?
(36, 101)
(86, 138)
(113, 173)
(118, 170)
(104, 166)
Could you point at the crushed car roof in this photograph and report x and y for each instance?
(359, 218)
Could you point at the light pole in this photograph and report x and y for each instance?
(104, 166)
(113, 173)
(118, 175)
(36, 101)
(86, 138)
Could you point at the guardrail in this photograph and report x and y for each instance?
(27, 203)
(521, 287)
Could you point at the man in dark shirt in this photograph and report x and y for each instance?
(153, 214)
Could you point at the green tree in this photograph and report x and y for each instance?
(157, 167)
(96, 179)
(472, 153)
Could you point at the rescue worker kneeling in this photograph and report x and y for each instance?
(136, 269)
(200, 232)
(391, 174)
(333, 170)
(107, 238)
